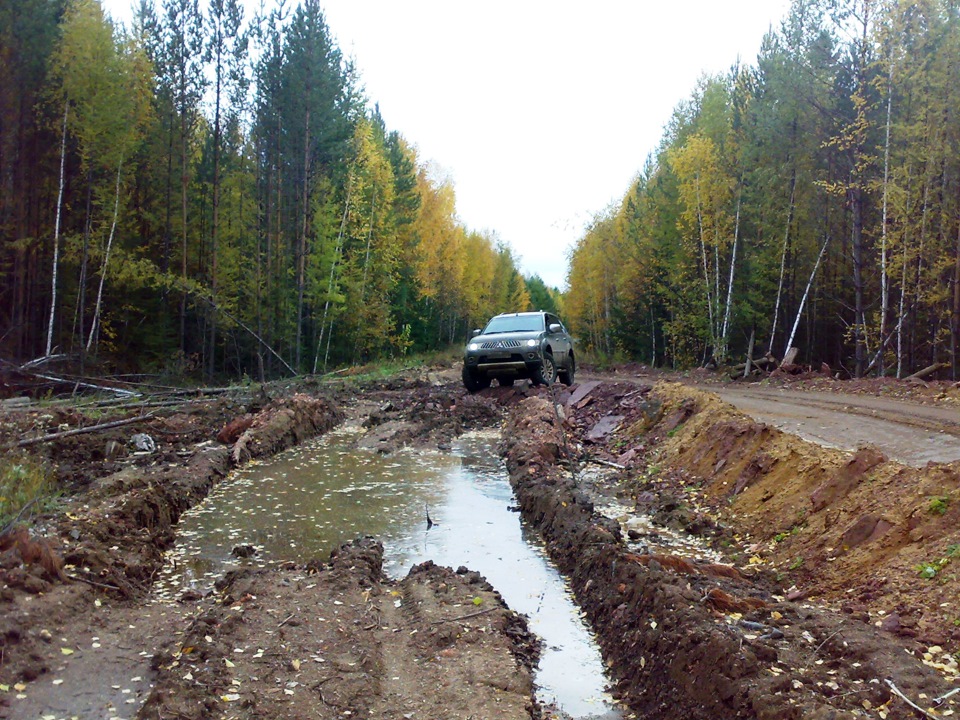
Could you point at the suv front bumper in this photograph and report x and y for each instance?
(524, 363)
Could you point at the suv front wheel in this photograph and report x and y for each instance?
(546, 374)
(473, 381)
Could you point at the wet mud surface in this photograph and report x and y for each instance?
(815, 582)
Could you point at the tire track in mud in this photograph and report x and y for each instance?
(911, 433)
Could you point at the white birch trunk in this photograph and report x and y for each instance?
(56, 232)
(330, 282)
(733, 264)
(783, 265)
(95, 325)
(806, 292)
(884, 283)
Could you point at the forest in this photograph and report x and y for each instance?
(811, 200)
(208, 194)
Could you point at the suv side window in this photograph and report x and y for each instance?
(553, 319)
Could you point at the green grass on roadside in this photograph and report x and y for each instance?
(23, 479)
(381, 369)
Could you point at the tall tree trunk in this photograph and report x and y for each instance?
(95, 325)
(302, 241)
(215, 230)
(330, 282)
(884, 283)
(184, 179)
(955, 321)
(783, 259)
(806, 292)
(733, 265)
(56, 232)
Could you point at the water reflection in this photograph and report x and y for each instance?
(308, 500)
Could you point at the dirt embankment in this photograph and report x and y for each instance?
(867, 534)
(687, 638)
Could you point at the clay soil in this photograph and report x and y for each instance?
(826, 585)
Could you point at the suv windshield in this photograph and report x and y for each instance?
(514, 323)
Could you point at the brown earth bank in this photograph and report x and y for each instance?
(816, 607)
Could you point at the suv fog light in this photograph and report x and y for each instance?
(531, 356)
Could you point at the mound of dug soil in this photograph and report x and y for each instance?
(864, 533)
(340, 640)
(685, 639)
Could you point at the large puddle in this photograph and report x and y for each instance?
(306, 501)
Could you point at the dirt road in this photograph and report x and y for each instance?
(807, 575)
(909, 432)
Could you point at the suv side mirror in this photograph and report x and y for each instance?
(555, 328)
(476, 332)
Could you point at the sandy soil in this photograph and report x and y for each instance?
(816, 582)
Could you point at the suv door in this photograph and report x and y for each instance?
(560, 341)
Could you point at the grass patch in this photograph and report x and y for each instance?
(391, 367)
(939, 505)
(23, 479)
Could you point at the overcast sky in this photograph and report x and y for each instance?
(540, 111)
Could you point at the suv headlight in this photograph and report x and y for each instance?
(473, 346)
(532, 342)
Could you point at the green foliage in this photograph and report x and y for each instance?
(939, 505)
(23, 480)
(838, 132)
(279, 227)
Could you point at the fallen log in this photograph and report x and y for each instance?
(929, 370)
(77, 431)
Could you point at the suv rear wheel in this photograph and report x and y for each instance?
(566, 376)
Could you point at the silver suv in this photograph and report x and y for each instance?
(513, 346)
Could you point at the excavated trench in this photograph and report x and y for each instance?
(328, 491)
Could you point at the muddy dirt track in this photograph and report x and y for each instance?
(811, 582)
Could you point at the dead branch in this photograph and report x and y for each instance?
(908, 701)
(77, 431)
(929, 370)
(464, 617)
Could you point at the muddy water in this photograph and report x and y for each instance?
(306, 501)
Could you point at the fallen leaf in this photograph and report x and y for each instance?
(66, 651)
(296, 664)
(228, 663)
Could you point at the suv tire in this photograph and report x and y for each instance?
(566, 376)
(473, 382)
(547, 372)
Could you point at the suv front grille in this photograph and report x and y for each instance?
(500, 344)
